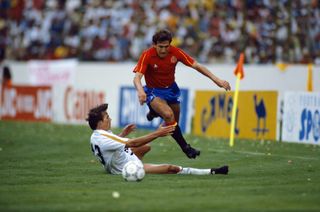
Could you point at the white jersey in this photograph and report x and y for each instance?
(110, 150)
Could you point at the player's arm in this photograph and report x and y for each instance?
(137, 83)
(203, 70)
(127, 130)
(160, 132)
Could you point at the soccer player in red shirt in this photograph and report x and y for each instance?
(157, 64)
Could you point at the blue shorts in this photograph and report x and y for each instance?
(170, 94)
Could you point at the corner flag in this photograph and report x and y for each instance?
(239, 68)
(240, 75)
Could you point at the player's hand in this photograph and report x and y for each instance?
(224, 84)
(165, 130)
(127, 130)
(142, 97)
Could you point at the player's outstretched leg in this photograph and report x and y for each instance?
(220, 170)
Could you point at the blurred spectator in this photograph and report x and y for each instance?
(6, 77)
(212, 31)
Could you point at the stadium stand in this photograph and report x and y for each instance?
(213, 31)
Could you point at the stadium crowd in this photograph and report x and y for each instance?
(268, 31)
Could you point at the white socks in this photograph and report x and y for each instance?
(194, 171)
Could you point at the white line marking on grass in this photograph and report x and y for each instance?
(264, 154)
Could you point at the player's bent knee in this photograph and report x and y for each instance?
(168, 115)
(141, 151)
(147, 148)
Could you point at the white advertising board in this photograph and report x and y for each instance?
(52, 72)
(301, 117)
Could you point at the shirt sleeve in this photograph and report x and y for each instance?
(111, 141)
(142, 64)
(184, 57)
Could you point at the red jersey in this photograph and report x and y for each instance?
(159, 72)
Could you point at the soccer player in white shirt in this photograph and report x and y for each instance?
(114, 151)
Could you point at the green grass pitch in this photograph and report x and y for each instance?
(49, 167)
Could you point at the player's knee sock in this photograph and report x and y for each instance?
(194, 171)
(178, 137)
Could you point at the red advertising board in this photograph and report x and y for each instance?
(77, 103)
(32, 103)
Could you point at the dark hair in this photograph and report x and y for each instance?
(6, 73)
(162, 35)
(95, 115)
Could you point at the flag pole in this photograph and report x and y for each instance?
(239, 74)
(234, 110)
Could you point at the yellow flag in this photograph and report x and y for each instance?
(309, 81)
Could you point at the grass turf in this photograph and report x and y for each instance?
(49, 167)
